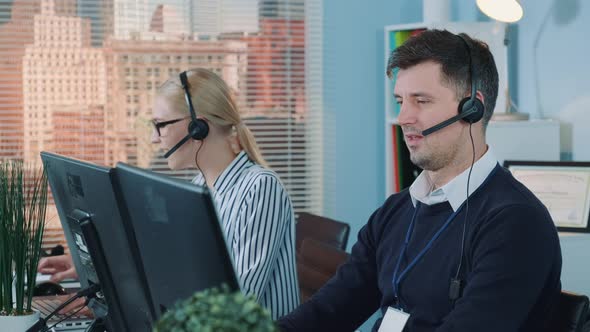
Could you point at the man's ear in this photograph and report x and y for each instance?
(480, 96)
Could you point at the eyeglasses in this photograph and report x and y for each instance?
(160, 125)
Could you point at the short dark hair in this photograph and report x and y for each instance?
(448, 50)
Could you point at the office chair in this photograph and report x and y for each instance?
(325, 230)
(572, 314)
(316, 264)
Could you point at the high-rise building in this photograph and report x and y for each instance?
(62, 75)
(209, 18)
(131, 17)
(166, 20)
(285, 9)
(101, 15)
(5, 10)
(277, 110)
(78, 131)
(276, 67)
(205, 16)
(14, 36)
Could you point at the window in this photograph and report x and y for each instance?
(269, 63)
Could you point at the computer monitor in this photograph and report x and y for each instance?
(99, 241)
(178, 234)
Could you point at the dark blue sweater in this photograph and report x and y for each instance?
(512, 266)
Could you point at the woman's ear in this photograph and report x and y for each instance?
(234, 141)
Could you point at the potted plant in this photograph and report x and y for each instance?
(217, 310)
(23, 202)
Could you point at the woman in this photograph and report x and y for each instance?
(254, 209)
(253, 206)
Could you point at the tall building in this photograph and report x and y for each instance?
(79, 131)
(63, 82)
(131, 17)
(167, 20)
(14, 36)
(101, 16)
(205, 16)
(277, 109)
(209, 18)
(285, 9)
(276, 67)
(5, 10)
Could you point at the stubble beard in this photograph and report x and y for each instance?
(433, 158)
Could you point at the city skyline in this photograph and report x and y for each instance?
(62, 39)
(71, 85)
(68, 94)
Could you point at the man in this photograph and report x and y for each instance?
(430, 258)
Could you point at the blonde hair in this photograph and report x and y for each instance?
(213, 100)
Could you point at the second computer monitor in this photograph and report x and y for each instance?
(178, 234)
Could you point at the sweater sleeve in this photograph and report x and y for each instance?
(349, 298)
(516, 261)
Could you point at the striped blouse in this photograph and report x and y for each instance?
(259, 225)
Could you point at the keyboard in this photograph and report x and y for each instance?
(47, 304)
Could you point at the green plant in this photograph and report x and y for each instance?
(23, 202)
(217, 310)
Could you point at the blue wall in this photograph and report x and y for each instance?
(553, 70)
(561, 53)
(354, 70)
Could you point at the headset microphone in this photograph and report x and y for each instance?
(448, 122)
(177, 146)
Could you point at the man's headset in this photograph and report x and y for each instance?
(197, 128)
(471, 109)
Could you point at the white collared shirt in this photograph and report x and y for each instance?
(455, 190)
(259, 225)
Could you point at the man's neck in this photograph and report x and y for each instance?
(444, 175)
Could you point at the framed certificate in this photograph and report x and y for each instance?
(564, 188)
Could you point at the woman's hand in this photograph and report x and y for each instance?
(59, 267)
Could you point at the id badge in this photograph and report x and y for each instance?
(394, 320)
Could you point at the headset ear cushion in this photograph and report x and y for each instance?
(198, 129)
(466, 105)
